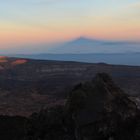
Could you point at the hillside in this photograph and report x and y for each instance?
(94, 110)
(28, 85)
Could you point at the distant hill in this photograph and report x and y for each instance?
(28, 85)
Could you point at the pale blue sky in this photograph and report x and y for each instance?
(43, 11)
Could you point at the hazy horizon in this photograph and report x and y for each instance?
(81, 45)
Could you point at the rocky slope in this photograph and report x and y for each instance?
(28, 85)
(96, 110)
(101, 110)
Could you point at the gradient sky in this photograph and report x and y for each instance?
(31, 22)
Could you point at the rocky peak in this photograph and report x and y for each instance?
(96, 110)
(89, 101)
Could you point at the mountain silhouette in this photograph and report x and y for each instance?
(88, 45)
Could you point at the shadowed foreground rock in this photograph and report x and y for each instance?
(100, 110)
(96, 110)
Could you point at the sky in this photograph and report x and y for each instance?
(31, 23)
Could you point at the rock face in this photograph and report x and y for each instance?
(101, 110)
(96, 110)
(100, 95)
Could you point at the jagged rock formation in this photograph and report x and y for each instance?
(101, 110)
(96, 110)
(100, 95)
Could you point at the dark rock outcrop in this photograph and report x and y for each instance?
(101, 110)
(96, 110)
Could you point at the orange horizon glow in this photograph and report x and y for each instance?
(32, 35)
(112, 20)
